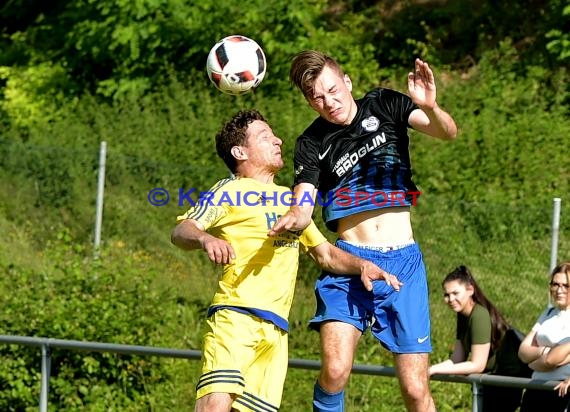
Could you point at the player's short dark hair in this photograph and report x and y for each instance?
(306, 66)
(233, 133)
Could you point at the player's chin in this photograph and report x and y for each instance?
(338, 118)
(279, 164)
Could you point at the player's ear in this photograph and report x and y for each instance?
(348, 82)
(239, 153)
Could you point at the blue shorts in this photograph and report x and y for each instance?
(398, 319)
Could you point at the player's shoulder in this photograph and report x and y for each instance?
(316, 130)
(281, 188)
(382, 93)
(225, 183)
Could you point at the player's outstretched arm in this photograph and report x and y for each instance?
(421, 85)
(301, 211)
(336, 260)
(431, 119)
(190, 235)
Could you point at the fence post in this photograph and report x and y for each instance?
(477, 390)
(555, 230)
(100, 193)
(46, 370)
(554, 241)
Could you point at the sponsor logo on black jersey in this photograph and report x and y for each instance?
(370, 124)
(348, 161)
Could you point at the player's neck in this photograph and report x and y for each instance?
(261, 176)
(352, 112)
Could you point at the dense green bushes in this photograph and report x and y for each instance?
(79, 299)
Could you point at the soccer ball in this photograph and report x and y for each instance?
(236, 65)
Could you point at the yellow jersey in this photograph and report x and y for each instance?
(261, 279)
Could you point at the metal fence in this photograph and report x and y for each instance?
(475, 380)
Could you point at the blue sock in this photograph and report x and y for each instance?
(327, 402)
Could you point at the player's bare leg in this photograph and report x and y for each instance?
(338, 346)
(215, 402)
(413, 375)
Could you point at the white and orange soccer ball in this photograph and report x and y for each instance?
(236, 65)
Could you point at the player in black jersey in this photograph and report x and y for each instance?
(355, 156)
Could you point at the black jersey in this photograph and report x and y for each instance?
(362, 166)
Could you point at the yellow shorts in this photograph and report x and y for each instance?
(246, 356)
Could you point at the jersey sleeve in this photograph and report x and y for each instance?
(311, 237)
(209, 209)
(399, 105)
(480, 326)
(306, 161)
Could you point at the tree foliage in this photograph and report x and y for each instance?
(131, 47)
(116, 48)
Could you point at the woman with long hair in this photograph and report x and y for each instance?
(480, 330)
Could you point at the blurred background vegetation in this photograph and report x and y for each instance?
(74, 73)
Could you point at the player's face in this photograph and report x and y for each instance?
(458, 296)
(263, 147)
(332, 97)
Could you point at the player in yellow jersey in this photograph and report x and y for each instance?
(245, 351)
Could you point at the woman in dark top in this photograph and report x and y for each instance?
(480, 328)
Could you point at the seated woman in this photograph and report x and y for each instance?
(550, 334)
(480, 328)
(558, 356)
